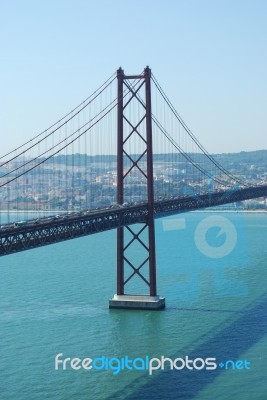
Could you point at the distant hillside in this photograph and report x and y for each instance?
(258, 157)
(231, 160)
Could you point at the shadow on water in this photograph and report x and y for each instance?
(227, 343)
(216, 310)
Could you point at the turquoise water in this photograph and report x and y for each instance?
(55, 300)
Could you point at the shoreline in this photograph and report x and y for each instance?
(232, 211)
(33, 212)
(259, 211)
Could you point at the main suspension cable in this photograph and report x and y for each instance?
(95, 94)
(193, 137)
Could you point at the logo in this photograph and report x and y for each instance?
(116, 365)
(225, 228)
(204, 245)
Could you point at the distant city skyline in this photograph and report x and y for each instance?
(209, 56)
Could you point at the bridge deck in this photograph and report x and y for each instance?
(36, 233)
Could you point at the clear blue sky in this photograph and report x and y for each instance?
(210, 56)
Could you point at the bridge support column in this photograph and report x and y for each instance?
(129, 238)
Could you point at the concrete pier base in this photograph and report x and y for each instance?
(138, 302)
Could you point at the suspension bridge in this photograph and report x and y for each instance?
(119, 160)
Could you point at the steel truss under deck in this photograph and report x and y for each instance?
(14, 239)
